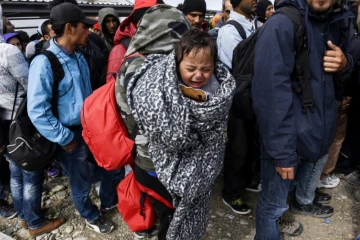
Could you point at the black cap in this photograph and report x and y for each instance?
(194, 6)
(67, 13)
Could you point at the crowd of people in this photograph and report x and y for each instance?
(176, 87)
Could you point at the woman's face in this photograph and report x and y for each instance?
(15, 41)
(196, 70)
(269, 11)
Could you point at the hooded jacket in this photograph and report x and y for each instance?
(108, 38)
(153, 36)
(13, 70)
(122, 38)
(287, 134)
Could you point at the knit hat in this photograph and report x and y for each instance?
(261, 8)
(194, 6)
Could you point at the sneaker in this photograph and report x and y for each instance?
(329, 182)
(314, 209)
(290, 228)
(104, 210)
(353, 178)
(321, 197)
(49, 225)
(7, 210)
(254, 187)
(100, 225)
(52, 172)
(238, 206)
(147, 233)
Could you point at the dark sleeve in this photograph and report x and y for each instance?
(343, 81)
(100, 43)
(272, 93)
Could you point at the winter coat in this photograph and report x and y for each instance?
(186, 138)
(153, 36)
(287, 134)
(13, 70)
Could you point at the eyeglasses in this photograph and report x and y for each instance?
(227, 11)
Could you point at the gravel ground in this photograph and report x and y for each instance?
(224, 224)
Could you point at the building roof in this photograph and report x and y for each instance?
(96, 2)
(39, 8)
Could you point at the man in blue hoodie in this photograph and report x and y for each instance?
(72, 30)
(294, 143)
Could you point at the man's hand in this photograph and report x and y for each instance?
(345, 103)
(71, 146)
(286, 173)
(334, 59)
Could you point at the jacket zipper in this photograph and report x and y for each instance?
(324, 84)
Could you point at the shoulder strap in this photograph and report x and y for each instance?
(15, 98)
(238, 27)
(126, 42)
(302, 63)
(58, 73)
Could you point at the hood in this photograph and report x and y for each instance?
(127, 28)
(103, 13)
(161, 27)
(8, 36)
(261, 8)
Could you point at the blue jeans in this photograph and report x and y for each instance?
(78, 169)
(109, 182)
(307, 179)
(26, 191)
(272, 201)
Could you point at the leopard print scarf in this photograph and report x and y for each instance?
(186, 138)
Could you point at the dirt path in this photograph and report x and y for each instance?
(224, 224)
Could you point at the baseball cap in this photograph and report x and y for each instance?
(67, 13)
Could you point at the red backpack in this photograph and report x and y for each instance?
(134, 204)
(104, 130)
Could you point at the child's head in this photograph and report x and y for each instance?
(195, 55)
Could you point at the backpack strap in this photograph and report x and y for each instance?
(14, 104)
(301, 72)
(126, 42)
(238, 27)
(58, 74)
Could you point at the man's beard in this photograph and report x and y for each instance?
(321, 11)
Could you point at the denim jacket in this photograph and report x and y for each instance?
(72, 91)
(229, 38)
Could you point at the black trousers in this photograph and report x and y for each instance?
(241, 157)
(164, 213)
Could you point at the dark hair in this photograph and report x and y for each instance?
(194, 40)
(24, 36)
(59, 29)
(44, 27)
(235, 3)
(34, 37)
(57, 2)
